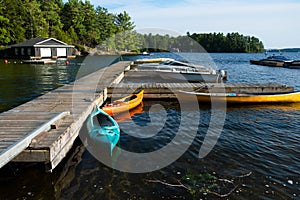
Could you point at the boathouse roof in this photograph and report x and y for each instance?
(42, 42)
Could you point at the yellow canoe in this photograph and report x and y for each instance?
(124, 104)
(292, 97)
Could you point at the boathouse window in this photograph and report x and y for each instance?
(22, 51)
(29, 51)
(16, 51)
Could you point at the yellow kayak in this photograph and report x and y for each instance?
(291, 97)
(127, 116)
(124, 104)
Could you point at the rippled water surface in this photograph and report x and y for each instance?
(256, 156)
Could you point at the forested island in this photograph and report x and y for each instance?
(92, 28)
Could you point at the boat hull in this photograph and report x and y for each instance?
(105, 137)
(273, 61)
(103, 129)
(121, 105)
(127, 116)
(171, 69)
(234, 98)
(192, 77)
(270, 63)
(295, 64)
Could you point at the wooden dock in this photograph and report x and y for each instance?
(169, 90)
(44, 129)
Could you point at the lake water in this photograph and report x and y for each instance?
(257, 155)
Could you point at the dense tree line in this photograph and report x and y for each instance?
(231, 42)
(74, 22)
(79, 23)
(210, 42)
(158, 42)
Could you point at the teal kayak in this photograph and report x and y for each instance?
(103, 129)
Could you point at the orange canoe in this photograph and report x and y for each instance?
(124, 104)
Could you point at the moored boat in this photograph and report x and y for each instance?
(124, 104)
(103, 129)
(244, 98)
(295, 64)
(178, 76)
(275, 61)
(172, 64)
(171, 69)
(127, 116)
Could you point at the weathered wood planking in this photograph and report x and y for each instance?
(169, 90)
(21, 123)
(12, 147)
(79, 98)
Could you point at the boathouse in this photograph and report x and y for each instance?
(40, 48)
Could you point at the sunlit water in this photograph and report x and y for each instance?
(257, 153)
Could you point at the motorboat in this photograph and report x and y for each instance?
(295, 64)
(275, 61)
(173, 64)
(170, 69)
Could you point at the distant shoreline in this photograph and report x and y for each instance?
(284, 50)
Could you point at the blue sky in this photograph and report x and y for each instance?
(275, 22)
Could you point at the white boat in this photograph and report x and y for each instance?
(176, 75)
(171, 69)
(169, 63)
